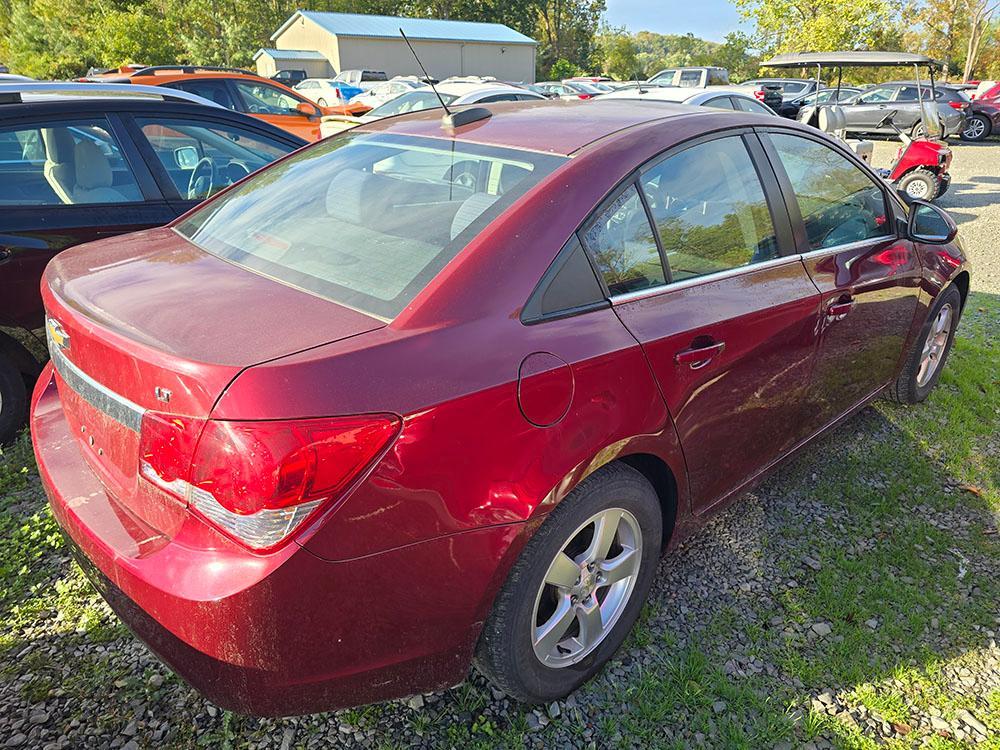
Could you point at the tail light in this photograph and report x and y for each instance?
(584, 96)
(338, 93)
(958, 105)
(259, 481)
(760, 94)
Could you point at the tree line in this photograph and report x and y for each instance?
(64, 38)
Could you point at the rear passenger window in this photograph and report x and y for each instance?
(839, 203)
(709, 209)
(568, 286)
(620, 240)
(65, 163)
(719, 102)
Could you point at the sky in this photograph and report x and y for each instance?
(709, 19)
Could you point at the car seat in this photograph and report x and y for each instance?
(59, 168)
(94, 177)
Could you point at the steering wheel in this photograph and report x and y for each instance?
(202, 180)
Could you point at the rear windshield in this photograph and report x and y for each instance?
(365, 220)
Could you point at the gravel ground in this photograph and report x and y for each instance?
(973, 200)
(849, 601)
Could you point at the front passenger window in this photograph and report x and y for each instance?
(709, 209)
(839, 203)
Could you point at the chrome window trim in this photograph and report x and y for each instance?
(705, 278)
(820, 252)
(101, 397)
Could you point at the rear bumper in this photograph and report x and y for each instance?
(280, 634)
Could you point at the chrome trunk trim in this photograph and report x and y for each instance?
(99, 396)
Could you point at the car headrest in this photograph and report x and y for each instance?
(58, 145)
(470, 210)
(345, 196)
(93, 170)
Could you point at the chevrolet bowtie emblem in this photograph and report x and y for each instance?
(57, 334)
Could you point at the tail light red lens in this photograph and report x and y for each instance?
(759, 93)
(958, 105)
(585, 96)
(259, 481)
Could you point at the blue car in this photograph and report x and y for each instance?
(327, 92)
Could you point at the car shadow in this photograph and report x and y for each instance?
(843, 569)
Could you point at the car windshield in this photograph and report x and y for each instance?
(365, 220)
(412, 101)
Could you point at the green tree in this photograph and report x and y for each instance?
(824, 25)
(563, 68)
(618, 54)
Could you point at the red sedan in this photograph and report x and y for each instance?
(416, 396)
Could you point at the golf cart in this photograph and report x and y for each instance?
(920, 169)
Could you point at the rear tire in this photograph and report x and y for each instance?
(13, 400)
(977, 128)
(927, 357)
(921, 184)
(523, 649)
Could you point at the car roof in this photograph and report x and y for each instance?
(99, 105)
(548, 125)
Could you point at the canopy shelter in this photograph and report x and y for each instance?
(850, 59)
(863, 59)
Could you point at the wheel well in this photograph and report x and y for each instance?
(662, 478)
(962, 283)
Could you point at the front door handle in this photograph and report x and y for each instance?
(698, 357)
(5, 253)
(840, 309)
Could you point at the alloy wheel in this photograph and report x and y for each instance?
(935, 345)
(586, 588)
(975, 129)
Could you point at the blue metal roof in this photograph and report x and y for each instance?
(291, 54)
(387, 27)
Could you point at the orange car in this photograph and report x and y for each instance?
(238, 90)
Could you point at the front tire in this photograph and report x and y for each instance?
(13, 400)
(921, 184)
(977, 128)
(926, 359)
(576, 590)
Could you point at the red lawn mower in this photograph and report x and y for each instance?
(920, 169)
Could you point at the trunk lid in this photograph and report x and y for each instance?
(150, 322)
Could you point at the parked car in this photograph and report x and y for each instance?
(982, 116)
(76, 165)
(466, 417)
(986, 90)
(385, 91)
(363, 79)
(791, 88)
(719, 97)
(325, 91)
(13, 78)
(453, 94)
(790, 107)
(692, 76)
(241, 91)
(865, 111)
(598, 86)
(290, 77)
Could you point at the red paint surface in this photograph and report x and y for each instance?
(342, 616)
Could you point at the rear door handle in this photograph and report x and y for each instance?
(840, 309)
(698, 357)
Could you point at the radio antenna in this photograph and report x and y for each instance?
(430, 81)
(450, 119)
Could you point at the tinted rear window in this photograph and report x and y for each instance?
(365, 220)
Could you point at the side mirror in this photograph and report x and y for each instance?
(307, 109)
(186, 157)
(929, 224)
